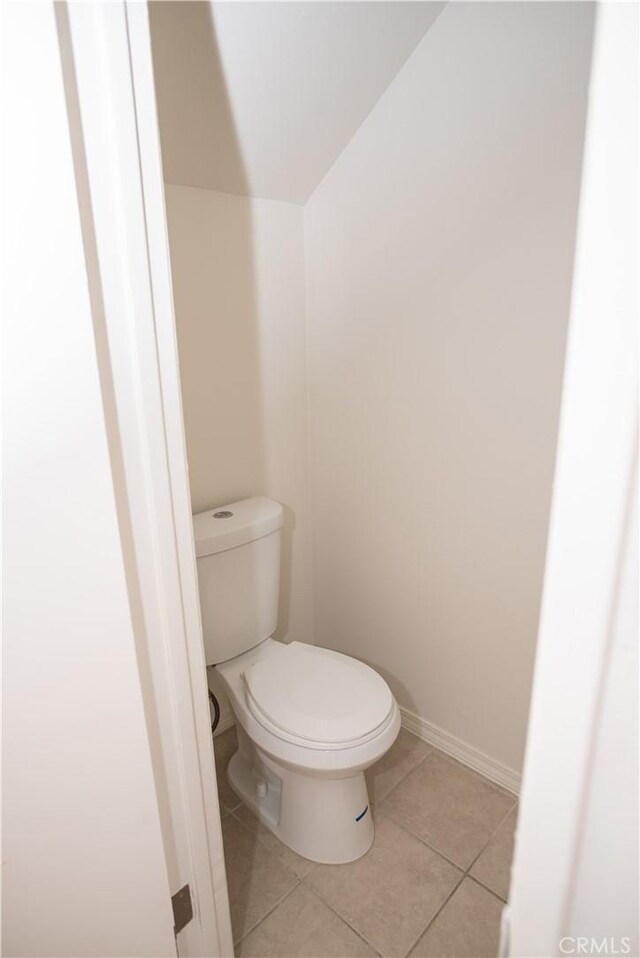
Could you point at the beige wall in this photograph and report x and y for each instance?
(238, 275)
(439, 254)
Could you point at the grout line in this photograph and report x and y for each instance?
(405, 776)
(422, 841)
(441, 908)
(270, 851)
(332, 908)
(262, 841)
(266, 915)
(486, 888)
(488, 842)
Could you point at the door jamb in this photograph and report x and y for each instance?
(590, 516)
(107, 63)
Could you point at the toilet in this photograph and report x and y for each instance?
(309, 720)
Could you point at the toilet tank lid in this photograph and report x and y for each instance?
(226, 527)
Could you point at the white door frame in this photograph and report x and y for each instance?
(106, 56)
(590, 525)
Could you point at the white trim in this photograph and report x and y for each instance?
(589, 516)
(109, 85)
(207, 849)
(227, 719)
(464, 753)
(226, 722)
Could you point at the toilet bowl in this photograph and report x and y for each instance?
(309, 720)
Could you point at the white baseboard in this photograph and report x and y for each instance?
(226, 722)
(227, 719)
(466, 754)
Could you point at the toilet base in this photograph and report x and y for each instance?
(326, 820)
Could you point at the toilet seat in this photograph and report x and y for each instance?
(318, 698)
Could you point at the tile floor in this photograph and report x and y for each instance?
(433, 884)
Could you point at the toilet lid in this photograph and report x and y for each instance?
(317, 695)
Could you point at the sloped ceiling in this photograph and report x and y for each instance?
(259, 99)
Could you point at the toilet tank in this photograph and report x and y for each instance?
(238, 559)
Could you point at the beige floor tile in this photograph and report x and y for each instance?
(406, 752)
(295, 862)
(493, 868)
(468, 925)
(449, 807)
(391, 893)
(224, 747)
(302, 926)
(256, 878)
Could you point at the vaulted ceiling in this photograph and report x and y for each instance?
(260, 98)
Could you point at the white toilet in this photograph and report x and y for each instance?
(309, 720)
